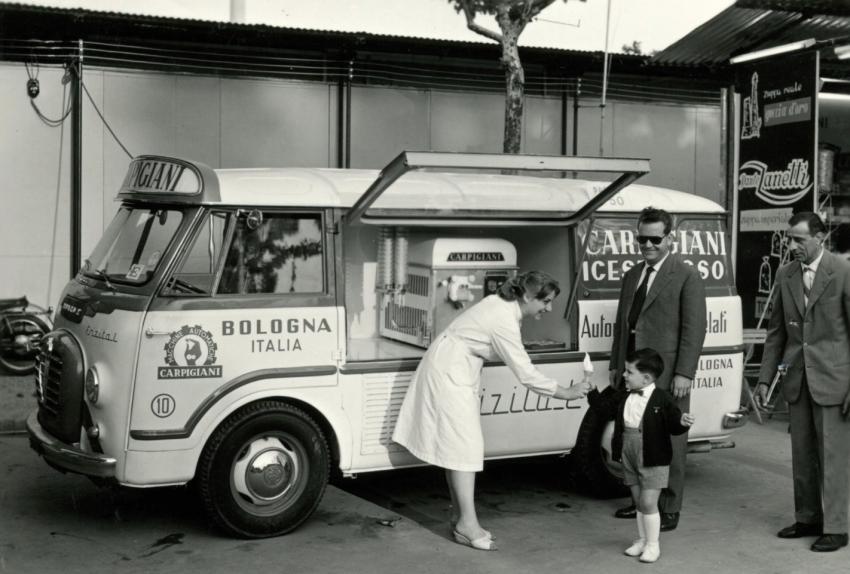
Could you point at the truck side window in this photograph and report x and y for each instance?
(283, 254)
(196, 273)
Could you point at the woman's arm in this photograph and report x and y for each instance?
(507, 343)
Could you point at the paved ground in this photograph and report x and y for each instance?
(17, 399)
(391, 522)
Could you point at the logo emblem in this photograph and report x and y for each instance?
(190, 354)
(779, 187)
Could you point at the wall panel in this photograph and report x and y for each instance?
(274, 124)
(227, 122)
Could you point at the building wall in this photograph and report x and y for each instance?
(227, 122)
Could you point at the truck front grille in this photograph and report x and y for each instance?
(59, 384)
(49, 381)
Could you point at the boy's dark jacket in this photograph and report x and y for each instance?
(661, 419)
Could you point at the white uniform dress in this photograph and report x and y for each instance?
(439, 420)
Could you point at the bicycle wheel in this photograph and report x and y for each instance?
(20, 336)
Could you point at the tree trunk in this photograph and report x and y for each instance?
(514, 86)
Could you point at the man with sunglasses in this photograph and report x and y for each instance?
(809, 331)
(662, 305)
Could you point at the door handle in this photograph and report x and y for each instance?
(149, 333)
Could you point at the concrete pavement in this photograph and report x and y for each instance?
(17, 400)
(735, 502)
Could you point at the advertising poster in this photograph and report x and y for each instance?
(776, 169)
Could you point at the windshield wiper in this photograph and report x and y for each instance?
(99, 273)
(102, 275)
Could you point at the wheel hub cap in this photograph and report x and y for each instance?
(266, 470)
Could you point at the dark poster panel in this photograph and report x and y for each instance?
(776, 170)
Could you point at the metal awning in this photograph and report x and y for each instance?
(390, 200)
(751, 25)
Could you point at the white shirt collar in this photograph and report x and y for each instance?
(657, 265)
(814, 264)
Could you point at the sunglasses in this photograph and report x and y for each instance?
(655, 240)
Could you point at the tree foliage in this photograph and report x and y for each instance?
(633, 48)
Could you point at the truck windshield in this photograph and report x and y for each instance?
(132, 246)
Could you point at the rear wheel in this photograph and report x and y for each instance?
(264, 470)
(592, 466)
(20, 337)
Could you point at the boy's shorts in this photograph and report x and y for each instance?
(655, 477)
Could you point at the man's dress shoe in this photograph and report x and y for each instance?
(800, 529)
(626, 512)
(830, 542)
(669, 521)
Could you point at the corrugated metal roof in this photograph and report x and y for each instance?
(141, 17)
(748, 26)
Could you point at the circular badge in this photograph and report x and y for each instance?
(163, 405)
(190, 346)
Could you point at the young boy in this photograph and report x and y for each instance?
(645, 419)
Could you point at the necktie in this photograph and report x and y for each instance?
(636, 392)
(808, 278)
(640, 296)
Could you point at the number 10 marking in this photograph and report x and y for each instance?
(163, 405)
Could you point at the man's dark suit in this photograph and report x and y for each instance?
(672, 321)
(814, 342)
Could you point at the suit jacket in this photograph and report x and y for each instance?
(814, 338)
(661, 419)
(672, 320)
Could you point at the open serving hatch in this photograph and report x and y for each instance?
(448, 189)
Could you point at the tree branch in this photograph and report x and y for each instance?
(536, 6)
(469, 12)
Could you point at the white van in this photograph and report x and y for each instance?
(250, 329)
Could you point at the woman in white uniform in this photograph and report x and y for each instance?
(439, 421)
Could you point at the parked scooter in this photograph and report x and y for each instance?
(22, 327)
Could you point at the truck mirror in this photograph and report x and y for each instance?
(254, 219)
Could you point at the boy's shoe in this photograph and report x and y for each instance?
(651, 552)
(636, 549)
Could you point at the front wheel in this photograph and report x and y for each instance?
(264, 470)
(20, 337)
(591, 463)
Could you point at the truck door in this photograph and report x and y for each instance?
(251, 296)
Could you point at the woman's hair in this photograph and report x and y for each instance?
(535, 284)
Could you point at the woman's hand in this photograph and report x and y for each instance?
(578, 391)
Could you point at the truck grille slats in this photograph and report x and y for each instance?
(59, 384)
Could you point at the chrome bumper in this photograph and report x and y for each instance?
(735, 419)
(65, 456)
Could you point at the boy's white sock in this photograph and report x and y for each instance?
(652, 550)
(641, 527)
(638, 545)
(652, 527)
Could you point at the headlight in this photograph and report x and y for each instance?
(92, 386)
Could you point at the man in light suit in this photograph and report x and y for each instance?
(662, 306)
(809, 332)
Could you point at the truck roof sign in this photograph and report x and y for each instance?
(149, 174)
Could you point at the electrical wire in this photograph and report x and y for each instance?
(258, 63)
(32, 74)
(103, 119)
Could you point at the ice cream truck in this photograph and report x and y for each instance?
(251, 329)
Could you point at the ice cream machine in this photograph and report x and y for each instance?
(441, 277)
